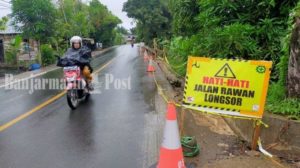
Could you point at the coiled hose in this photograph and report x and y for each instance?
(190, 146)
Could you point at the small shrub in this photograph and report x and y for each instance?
(10, 57)
(47, 55)
(277, 103)
(276, 93)
(13, 50)
(286, 107)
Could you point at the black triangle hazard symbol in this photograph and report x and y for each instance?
(225, 72)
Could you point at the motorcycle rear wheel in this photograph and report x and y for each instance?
(72, 97)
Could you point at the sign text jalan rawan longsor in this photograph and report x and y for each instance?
(225, 91)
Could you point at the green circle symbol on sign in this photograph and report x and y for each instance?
(261, 69)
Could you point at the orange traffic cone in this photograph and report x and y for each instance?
(171, 152)
(150, 66)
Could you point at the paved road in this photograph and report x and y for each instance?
(107, 131)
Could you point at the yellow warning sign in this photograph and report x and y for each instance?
(225, 72)
(233, 87)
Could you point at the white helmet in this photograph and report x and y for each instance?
(76, 39)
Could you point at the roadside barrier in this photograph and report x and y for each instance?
(171, 155)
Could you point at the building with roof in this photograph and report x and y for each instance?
(29, 48)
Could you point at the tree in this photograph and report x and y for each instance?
(11, 54)
(3, 22)
(184, 14)
(250, 29)
(91, 20)
(122, 30)
(73, 19)
(293, 77)
(36, 18)
(153, 18)
(104, 23)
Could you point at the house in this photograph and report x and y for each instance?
(5, 37)
(29, 47)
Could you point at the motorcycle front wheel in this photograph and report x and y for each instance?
(72, 97)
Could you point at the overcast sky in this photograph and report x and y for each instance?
(116, 7)
(113, 5)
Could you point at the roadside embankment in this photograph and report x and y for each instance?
(227, 138)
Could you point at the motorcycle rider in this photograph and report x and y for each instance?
(79, 55)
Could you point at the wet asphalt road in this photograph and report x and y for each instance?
(105, 132)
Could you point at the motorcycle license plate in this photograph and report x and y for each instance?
(70, 68)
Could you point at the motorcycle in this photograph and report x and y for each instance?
(76, 86)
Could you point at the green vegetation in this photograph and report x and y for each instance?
(47, 55)
(53, 25)
(3, 22)
(277, 102)
(286, 107)
(153, 18)
(118, 38)
(12, 51)
(249, 29)
(37, 17)
(103, 22)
